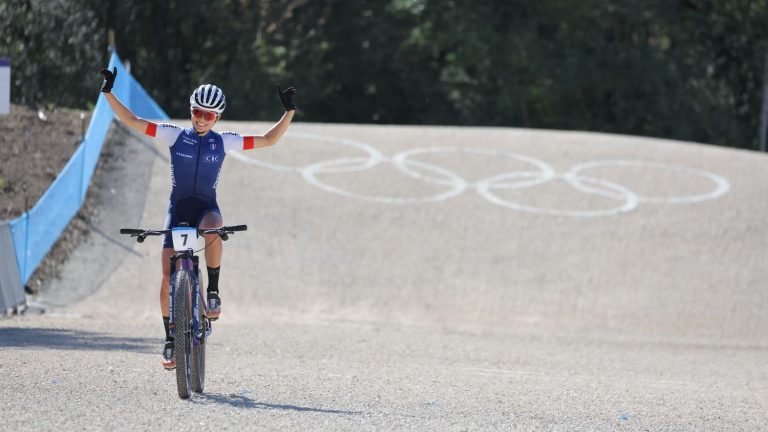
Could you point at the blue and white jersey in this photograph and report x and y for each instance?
(196, 160)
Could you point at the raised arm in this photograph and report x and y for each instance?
(273, 135)
(121, 111)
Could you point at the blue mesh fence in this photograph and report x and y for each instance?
(36, 231)
(143, 105)
(52, 213)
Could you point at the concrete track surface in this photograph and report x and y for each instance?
(425, 278)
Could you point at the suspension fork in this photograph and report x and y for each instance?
(197, 326)
(188, 263)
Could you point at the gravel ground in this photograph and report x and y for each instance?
(66, 372)
(353, 304)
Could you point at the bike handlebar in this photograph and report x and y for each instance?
(131, 231)
(234, 228)
(222, 232)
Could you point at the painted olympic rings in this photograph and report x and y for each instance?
(538, 173)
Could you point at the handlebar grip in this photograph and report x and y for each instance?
(131, 231)
(236, 228)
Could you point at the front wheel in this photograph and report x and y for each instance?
(182, 317)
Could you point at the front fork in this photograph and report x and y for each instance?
(197, 326)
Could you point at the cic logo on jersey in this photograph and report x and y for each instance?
(211, 158)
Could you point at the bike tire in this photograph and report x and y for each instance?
(198, 351)
(182, 316)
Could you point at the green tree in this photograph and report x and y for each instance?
(685, 69)
(52, 46)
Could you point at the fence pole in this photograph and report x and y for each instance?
(764, 112)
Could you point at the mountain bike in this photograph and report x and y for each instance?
(189, 323)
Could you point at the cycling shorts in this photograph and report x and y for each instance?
(187, 210)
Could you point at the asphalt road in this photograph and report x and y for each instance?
(425, 278)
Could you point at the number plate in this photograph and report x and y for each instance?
(184, 238)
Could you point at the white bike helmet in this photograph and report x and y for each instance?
(208, 97)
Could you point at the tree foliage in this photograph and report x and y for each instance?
(52, 45)
(684, 69)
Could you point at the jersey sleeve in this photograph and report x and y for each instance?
(235, 141)
(164, 132)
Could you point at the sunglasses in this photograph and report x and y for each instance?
(206, 115)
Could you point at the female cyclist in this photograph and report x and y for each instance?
(197, 154)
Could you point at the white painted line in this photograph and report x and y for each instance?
(487, 188)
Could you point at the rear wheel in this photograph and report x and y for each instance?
(182, 317)
(198, 349)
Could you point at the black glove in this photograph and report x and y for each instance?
(286, 97)
(109, 79)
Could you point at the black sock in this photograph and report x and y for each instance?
(213, 279)
(166, 324)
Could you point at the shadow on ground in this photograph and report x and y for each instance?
(243, 401)
(68, 339)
